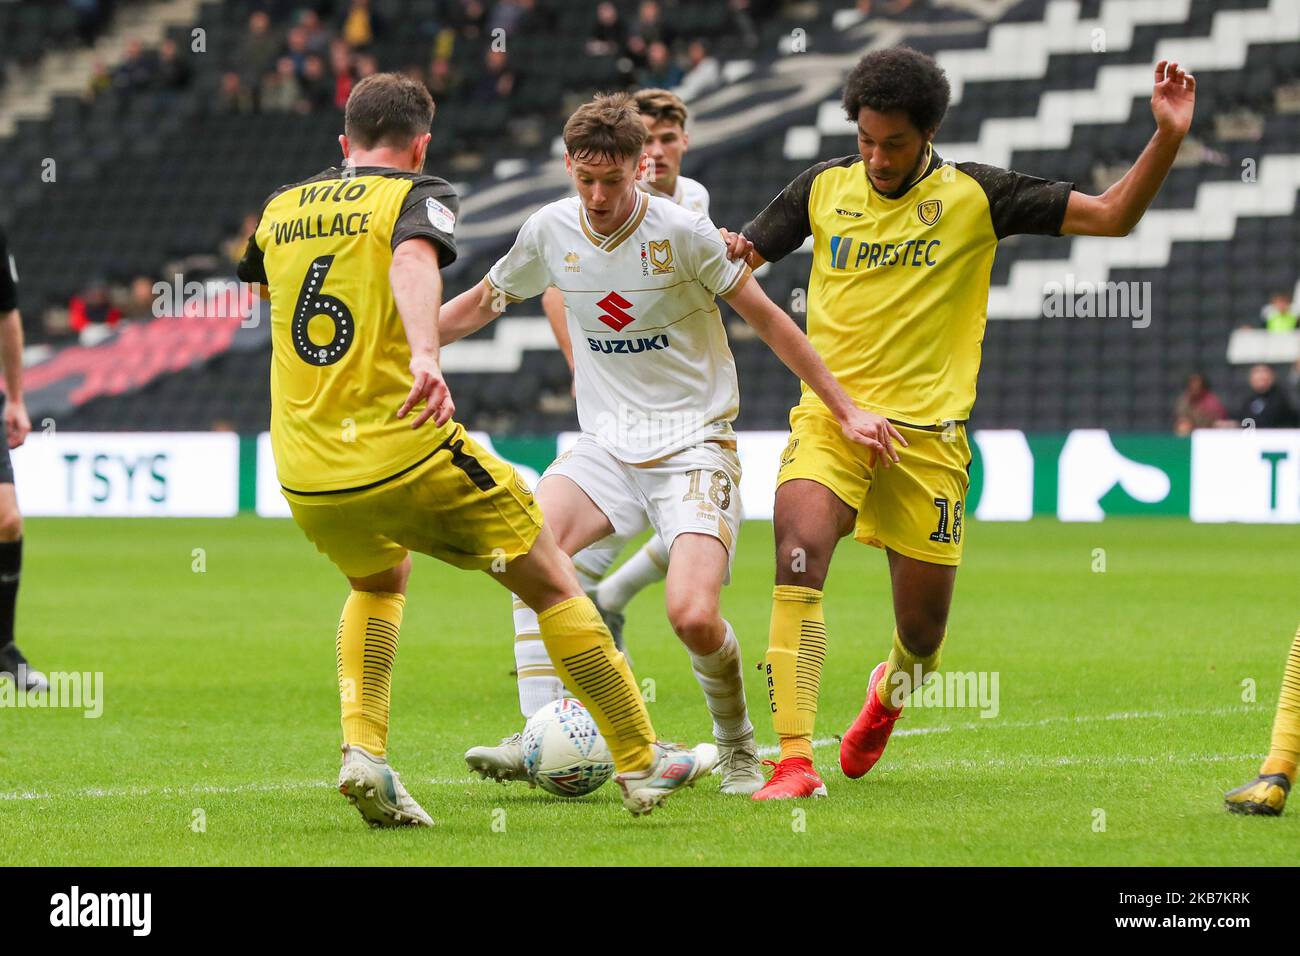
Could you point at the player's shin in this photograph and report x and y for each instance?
(721, 678)
(795, 651)
(365, 649)
(904, 671)
(1284, 749)
(586, 660)
(538, 682)
(647, 566)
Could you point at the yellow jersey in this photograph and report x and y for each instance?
(898, 295)
(340, 358)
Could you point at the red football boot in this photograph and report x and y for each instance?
(792, 779)
(864, 742)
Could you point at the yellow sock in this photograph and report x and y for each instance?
(366, 646)
(796, 649)
(1284, 751)
(901, 659)
(587, 661)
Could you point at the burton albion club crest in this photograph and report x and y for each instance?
(929, 211)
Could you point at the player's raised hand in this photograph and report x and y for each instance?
(875, 431)
(1173, 99)
(738, 247)
(430, 388)
(17, 424)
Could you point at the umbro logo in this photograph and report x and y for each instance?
(616, 315)
(847, 212)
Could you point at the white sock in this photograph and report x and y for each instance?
(648, 565)
(538, 683)
(592, 562)
(722, 679)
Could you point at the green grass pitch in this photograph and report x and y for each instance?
(1121, 703)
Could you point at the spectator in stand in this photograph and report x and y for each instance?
(703, 75)
(468, 18)
(258, 51)
(341, 71)
(506, 15)
(138, 303)
(442, 80)
(281, 92)
(296, 42)
(648, 29)
(317, 89)
(360, 25)
(1266, 405)
(173, 71)
(101, 79)
(317, 37)
(92, 315)
(609, 34)
(234, 97)
(137, 69)
(366, 65)
(1278, 316)
(661, 71)
(498, 80)
(1198, 406)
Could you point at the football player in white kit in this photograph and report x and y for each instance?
(664, 115)
(656, 394)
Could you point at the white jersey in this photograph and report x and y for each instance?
(690, 194)
(652, 368)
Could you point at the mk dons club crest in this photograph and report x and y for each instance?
(661, 257)
(929, 211)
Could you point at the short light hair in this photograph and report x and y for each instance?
(387, 109)
(607, 128)
(661, 106)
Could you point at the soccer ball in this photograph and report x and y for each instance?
(564, 753)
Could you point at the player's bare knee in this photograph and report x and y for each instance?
(800, 563)
(696, 622)
(920, 632)
(11, 525)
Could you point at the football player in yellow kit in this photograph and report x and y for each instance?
(903, 245)
(351, 258)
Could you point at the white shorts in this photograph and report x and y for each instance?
(695, 490)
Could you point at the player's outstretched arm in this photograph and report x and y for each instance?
(469, 312)
(792, 347)
(417, 291)
(1116, 211)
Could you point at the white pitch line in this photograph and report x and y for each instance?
(819, 743)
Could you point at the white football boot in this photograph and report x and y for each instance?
(738, 764)
(502, 763)
(674, 767)
(13, 666)
(374, 789)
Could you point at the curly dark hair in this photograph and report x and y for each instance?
(899, 78)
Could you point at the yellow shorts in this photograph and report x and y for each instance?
(914, 507)
(462, 505)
